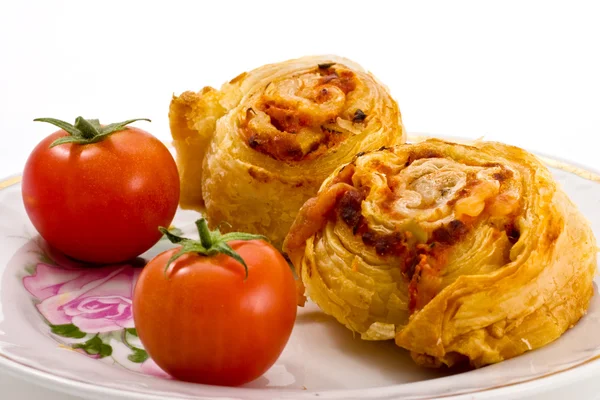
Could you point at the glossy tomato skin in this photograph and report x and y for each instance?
(204, 323)
(101, 202)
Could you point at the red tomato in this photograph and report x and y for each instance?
(202, 322)
(101, 202)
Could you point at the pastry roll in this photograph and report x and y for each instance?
(458, 253)
(253, 152)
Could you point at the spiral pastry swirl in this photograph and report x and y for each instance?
(253, 152)
(458, 253)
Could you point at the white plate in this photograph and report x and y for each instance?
(321, 361)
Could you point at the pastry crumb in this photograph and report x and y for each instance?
(527, 343)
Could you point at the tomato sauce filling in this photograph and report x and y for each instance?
(420, 263)
(297, 121)
(421, 256)
(415, 259)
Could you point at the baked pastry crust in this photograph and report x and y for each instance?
(251, 153)
(458, 253)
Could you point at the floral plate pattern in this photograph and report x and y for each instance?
(70, 327)
(89, 310)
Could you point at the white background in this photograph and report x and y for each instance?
(526, 73)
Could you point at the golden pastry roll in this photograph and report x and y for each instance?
(458, 253)
(251, 153)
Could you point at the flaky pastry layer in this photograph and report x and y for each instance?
(458, 253)
(251, 153)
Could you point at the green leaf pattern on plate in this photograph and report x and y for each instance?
(95, 347)
(67, 330)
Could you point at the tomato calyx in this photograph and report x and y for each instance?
(211, 243)
(86, 131)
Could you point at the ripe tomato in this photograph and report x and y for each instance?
(103, 201)
(201, 321)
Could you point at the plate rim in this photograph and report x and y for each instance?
(569, 376)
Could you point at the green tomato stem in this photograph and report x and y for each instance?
(210, 244)
(86, 131)
(205, 237)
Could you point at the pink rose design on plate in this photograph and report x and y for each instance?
(95, 300)
(90, 308)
